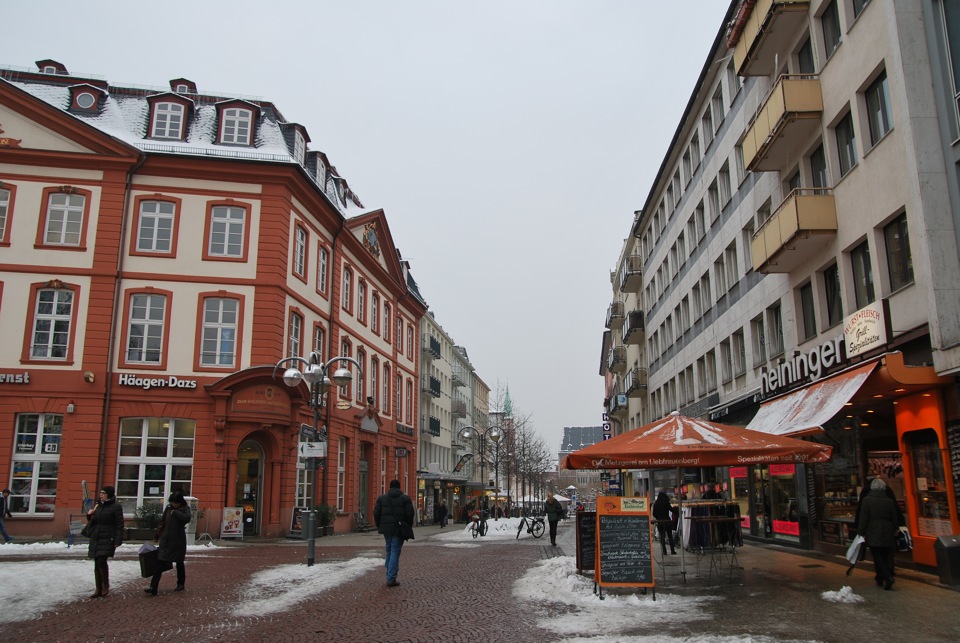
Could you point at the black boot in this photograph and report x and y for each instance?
(99, 582)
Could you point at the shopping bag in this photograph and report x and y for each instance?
(855, 552)
(904, 540)
(149, 560)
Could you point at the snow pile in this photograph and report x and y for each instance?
(845, 595)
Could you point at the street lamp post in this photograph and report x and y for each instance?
(315, 374)
(494, 433)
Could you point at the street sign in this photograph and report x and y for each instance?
(312, 450)
(308, 432)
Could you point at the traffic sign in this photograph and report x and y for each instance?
(308, 432)
(312, 450)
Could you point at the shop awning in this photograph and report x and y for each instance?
(806, 410)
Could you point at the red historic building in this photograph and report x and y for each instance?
(160, 251)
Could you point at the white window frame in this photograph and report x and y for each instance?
(150, 438)
(220, 327)
(146, 326)
(227, 230)
(295, 335)
(322, 261)
(300, 251)
(64, 220)
(155, 226)
(4, 211)
(52, 321)
(346, 300)
(299, 147)
(31, 459)
(341, 473)
(168, 120)
(237, 126)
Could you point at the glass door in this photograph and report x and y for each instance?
(250, 485)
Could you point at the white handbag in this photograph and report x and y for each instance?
(853, 551)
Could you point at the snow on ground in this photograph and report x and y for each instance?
(552, 587)
(844, 595)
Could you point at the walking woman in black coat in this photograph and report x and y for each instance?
(105, 530)
(172, 537)
(879, 525)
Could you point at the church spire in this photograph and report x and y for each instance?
(507, 405)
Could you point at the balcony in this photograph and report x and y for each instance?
(431, 385)
(635, 382)
(615, 315)
(764, 34)
(631, 273)
(781, 130)
(618, 405)
(459, 375)
(802, 224)
(617, 359)
(431, 346)
(458, 407)
(432, 427)
(633, 328)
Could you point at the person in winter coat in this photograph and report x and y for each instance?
(172, 538)
(442, 514)
(879, 523)
(554, 513)
(105, 530)
(391, 509)
(5, 513)
(665, 515)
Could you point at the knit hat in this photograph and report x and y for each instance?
(394, 484)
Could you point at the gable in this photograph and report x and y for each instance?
(25, 133)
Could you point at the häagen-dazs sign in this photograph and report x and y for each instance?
(866, 329)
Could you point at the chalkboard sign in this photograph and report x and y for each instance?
(953, 446)
(586, 540)
(624, 542)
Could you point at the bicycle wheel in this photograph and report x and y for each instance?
(483, 527)
(537, 529)
(519, 529)
(474, 531)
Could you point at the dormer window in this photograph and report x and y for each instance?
(321, 171)
(182, 89)
(49, 69)
(167, 121)
(299, 147)
(236, 126)
(183, 86)
(85, 98)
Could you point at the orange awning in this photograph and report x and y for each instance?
(806, 410)
(678, 441)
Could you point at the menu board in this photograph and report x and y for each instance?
(953, 445)
(624, 542)
(586, 540)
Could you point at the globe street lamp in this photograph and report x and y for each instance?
(315, 374)
(494, 433)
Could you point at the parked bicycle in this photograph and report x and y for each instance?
(534, 526)
(478, 523)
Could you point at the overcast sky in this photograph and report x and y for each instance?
(509, 142)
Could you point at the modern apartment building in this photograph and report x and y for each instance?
(799, 268)
(160, 251)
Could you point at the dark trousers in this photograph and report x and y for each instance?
(162, 566)
(553, 531)
(666, 536)
(101, 572)
(883, 558)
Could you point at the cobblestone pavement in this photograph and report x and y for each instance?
(460, 594)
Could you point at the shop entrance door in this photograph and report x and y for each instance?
(250, 485)
(363, 495)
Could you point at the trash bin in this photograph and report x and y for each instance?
(948, 559)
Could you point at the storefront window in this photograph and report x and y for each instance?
(838, 486)
(930, 483)
(784, 511)
(36, 462)
(738, 490)
(155, 459)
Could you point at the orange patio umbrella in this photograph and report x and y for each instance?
(679, 441)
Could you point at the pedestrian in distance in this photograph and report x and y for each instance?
(442, 514)
(391, 509)
(665, 515)
(172, 538)
(105, 531)
(5, 513)
(554, 512)
(879, 525)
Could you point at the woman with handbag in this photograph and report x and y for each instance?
(172, 538)
(105, 531)
(879, 524)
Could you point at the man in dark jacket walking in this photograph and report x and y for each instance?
(879, 525)
(172, 538)
(391, 509)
